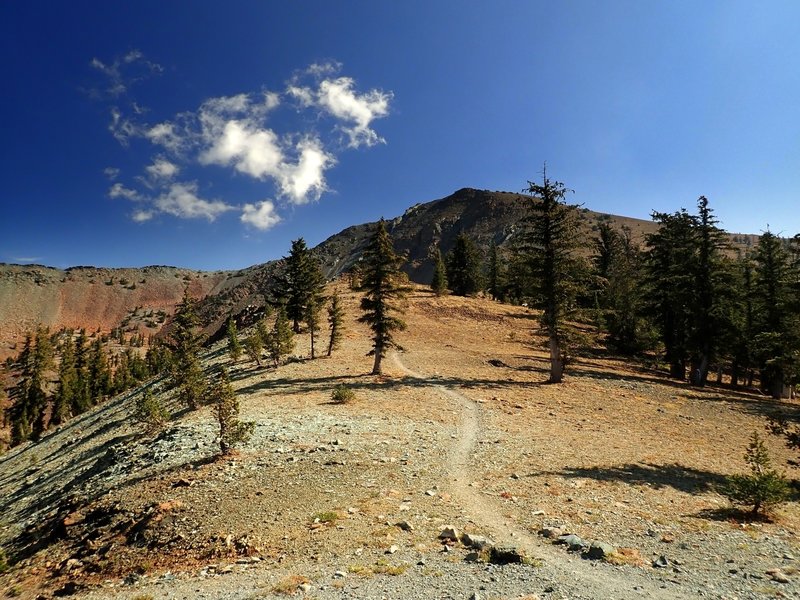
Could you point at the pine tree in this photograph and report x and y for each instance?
(464, 267)
(439, 280)
(777, 339)
(383, 284)
(281, 339)
(764, 487)
(312, 321)
(98, 372)
(556, 272)
(186, 372)
(37, 395)
(150, 411)
(82, 400)
(618, 265)
(302, 282)
(67, 383)
(254, 344)
(234, 347)
(232, 431)
(335, 322)
(495, 275)
(671, 254)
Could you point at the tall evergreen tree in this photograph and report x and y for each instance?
(185, 343)
(495, 274)
(618, 265)
(383, 284)
(28, 411)
(67, 382)
(551, 242)
(281, 339)
(302, 282)
(234, 346)
(464, 267)
(778, 332)
(335, 322)
(672, 252)
(312, 317)
(439, 279)
(98, 371)
(232, 431)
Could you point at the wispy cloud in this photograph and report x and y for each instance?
(25, 260)
(182, 200)
(111, 173)
(261, 215)
(124, 71)
(240, 132)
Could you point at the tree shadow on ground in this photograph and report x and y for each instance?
(371, 382)
(676, 476)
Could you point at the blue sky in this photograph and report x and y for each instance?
(209, 135)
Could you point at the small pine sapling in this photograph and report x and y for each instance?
(764, 487)
(151, 412)
(253, 344)
(335, 322)
(234, 346)
(232, 431)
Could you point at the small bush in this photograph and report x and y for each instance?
(151, 412)
(764, 487)
(289, 585)
(4, 565)
(342, 394)
(326, 517)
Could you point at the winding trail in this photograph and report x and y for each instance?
(587, 578)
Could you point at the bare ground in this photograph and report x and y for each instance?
(460, 431)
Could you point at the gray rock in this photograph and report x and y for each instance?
(599, 550)
(572, 541)
(478, 542)
(505, 555)
(405, 526)
(450, 534)
(661, 562)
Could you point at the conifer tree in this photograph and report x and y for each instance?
(150, 411)
(764, 487)
(281, 339)
(464, 267)
(495, 275)
(81, 401)
(98, 372)
(383, 284)
(439, 280)
(671, 254)
(312, 321)
(301, 283)
(335, 322)
(232, 431)
(37, 394)
(777, 339)
(186, 372)
(234, 346)
(254, 344)
(67, 383)
(556, 271)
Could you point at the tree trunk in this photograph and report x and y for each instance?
(677, 370)
(735, 374)
(312, 344)
(376, 367)
(719, 374)
(556, 360)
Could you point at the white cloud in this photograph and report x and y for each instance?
(261, 215)
(305, 180)
(111, 172)
(166, 135)
(122, 128)
(141, 216)
(124, 71)
(120, 191)
(181, 200)
(162, 170)
(338, 98)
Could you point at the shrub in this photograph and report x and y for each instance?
(150, 411)
(342, 394)
(4, 565)
(764, 487)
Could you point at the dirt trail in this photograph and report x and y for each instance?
(599, 582)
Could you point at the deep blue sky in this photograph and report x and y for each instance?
(306, 117)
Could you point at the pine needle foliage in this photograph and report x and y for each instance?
(763, 488)
(280, 342)
(439, 279)
(232, 431)
(234, 345)
(384, 287)
(335, 322)
(150, 411)
(550, 243)
(185, 343)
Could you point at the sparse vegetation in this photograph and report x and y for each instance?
(150, 411)
(342, 394)
(232, 431)
(763, 488)
(290, 585)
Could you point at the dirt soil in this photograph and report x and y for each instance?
(348, 501)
